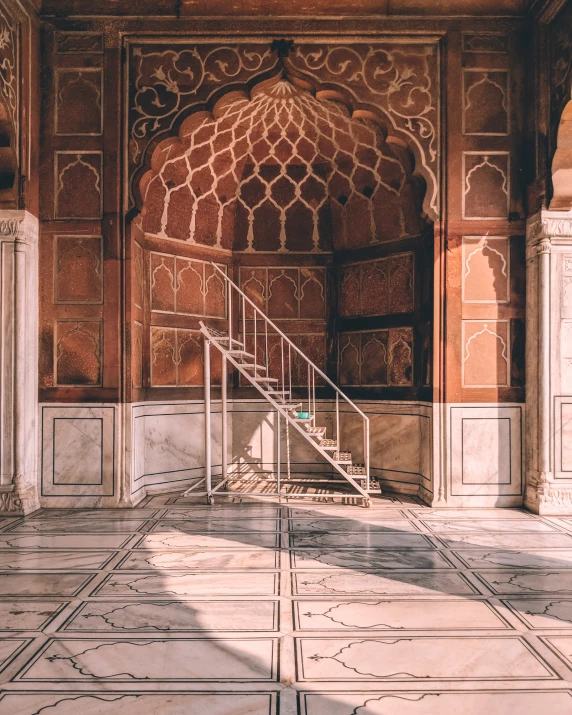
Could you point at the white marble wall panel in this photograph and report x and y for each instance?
(563, 437)
(400, 443)
(163, 446)
(79, 459)
(485, 455)
(169, 445)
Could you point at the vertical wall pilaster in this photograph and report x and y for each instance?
(549, 363)
(19, 361)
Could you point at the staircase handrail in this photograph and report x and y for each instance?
(287, 339)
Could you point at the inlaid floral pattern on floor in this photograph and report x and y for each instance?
(301, 608)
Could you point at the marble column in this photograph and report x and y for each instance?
(19, 362)
(548, 441)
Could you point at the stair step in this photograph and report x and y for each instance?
(328, 444)
(240, 353)
(342, 457)
(266, 379)
(316, 430)
(252, 366)
(225, 339)
(356, 470)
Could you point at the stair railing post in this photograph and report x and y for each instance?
(244, 322)
(229, 299)
(366, 452)
(290, 370)
(283, 375)
(208, 470)
(338, 421)
(224, 407)
(309, 392)
(278, 451)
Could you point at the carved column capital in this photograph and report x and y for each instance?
(19, 226)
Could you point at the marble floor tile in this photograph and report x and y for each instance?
(177, 607)
(28, 615)
(444, 526)
(194, 526)
(78, 526)
(369, 525)
(529, 702)
(176, 539)
(418, 615)
(371, 540)
(413, 657)
(558, 583)
(233, 511)
(21, 583)
(45, 560)
(64, 541)
(543, 613)
(468, 513)
(487, 558)
(141, 703)
(518, 542)
(246, 583)
(368, 559)
(562, 646)
(392, 583)
(215, 559)
(10, 648)
(153, 659)
(96, 514)
(173, 616)
(356, 513)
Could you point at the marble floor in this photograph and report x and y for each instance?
(300, 608)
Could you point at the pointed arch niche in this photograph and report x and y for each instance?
(313, 209)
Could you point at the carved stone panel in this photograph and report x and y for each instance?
(78, 190)
(79, 101)
(486, 189)
(285, 293)
(486, 353)
(486, 103)
(377, 358)
(78, 353)
(379, 287)
(486, 269)
(485, 42)
(78, 269)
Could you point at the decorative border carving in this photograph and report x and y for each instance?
(397, 82)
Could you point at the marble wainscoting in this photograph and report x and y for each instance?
(400, 444)
(114, 455)
(483, 465)
(80, 456)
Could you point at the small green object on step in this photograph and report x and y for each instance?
(303, 415)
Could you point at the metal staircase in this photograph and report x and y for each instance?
(246, 347)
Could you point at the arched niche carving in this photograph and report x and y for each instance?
(283, 170)
(396, 86)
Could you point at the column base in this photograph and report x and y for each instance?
(17, 502)
(547, 498)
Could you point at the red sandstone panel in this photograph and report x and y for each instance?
(78, 269)
(79, 101)
(78, 353)
(78, 190)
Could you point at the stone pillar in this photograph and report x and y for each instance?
(548, 439)
(18, 362)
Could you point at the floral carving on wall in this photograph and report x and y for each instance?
(398, 85)
(9, 67)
